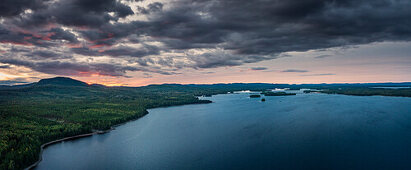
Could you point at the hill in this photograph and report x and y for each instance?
(63, 81)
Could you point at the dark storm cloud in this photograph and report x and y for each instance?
(60, 34)
(85, 51)
(110, 34)
(89, 13)
(294, 71)
(121, 51)
(152, 7)
(271, 27)
(70, 69)
(15, 7)
(45, 38)
(45, 54)
(132, 52)
(232, 32)
(211, 60)
(79, 68)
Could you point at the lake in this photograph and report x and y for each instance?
(305, 131)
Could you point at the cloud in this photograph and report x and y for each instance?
(294, 71)
(147, 75)
(14, 81)
(132, 52)
(47, 54)
(267, 27)
(89, 13)
(191, 33)
(4, 66)
(152, 7)
(85, 51)
(11, 82)
(11, 7)
(45, 38)
(323, 56)
(258, 68)
(208, 72)
(79, 68)
(324, 74)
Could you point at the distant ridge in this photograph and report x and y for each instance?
(66, 81)
(63, 81)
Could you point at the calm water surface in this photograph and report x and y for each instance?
(305, 131)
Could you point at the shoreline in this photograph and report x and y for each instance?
(98, 132)
(43, 146)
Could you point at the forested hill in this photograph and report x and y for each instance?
(50, 109)
(64, 81)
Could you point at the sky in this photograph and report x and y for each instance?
(141, 42)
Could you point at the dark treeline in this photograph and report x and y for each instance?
(364, 91)
(37, 113)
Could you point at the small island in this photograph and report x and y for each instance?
(312, 91)
(255, 96)
(268, 93)
(263, 99)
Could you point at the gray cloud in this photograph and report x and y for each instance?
(258, 68)
(208, 72)
(132, 52)
(323, 74)
(15, 81)
(294, 71)
(90, 13)
(4, 66)
(152, 7)
(85, 51)
(79, 69)
(12, 7)
(147, 75)
(11, 82)
(45, 54)
(323, 56)
(45, 38)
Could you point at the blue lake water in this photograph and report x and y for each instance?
(306, 131)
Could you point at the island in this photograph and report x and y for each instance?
(268, 93)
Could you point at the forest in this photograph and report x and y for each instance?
(50, 109)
